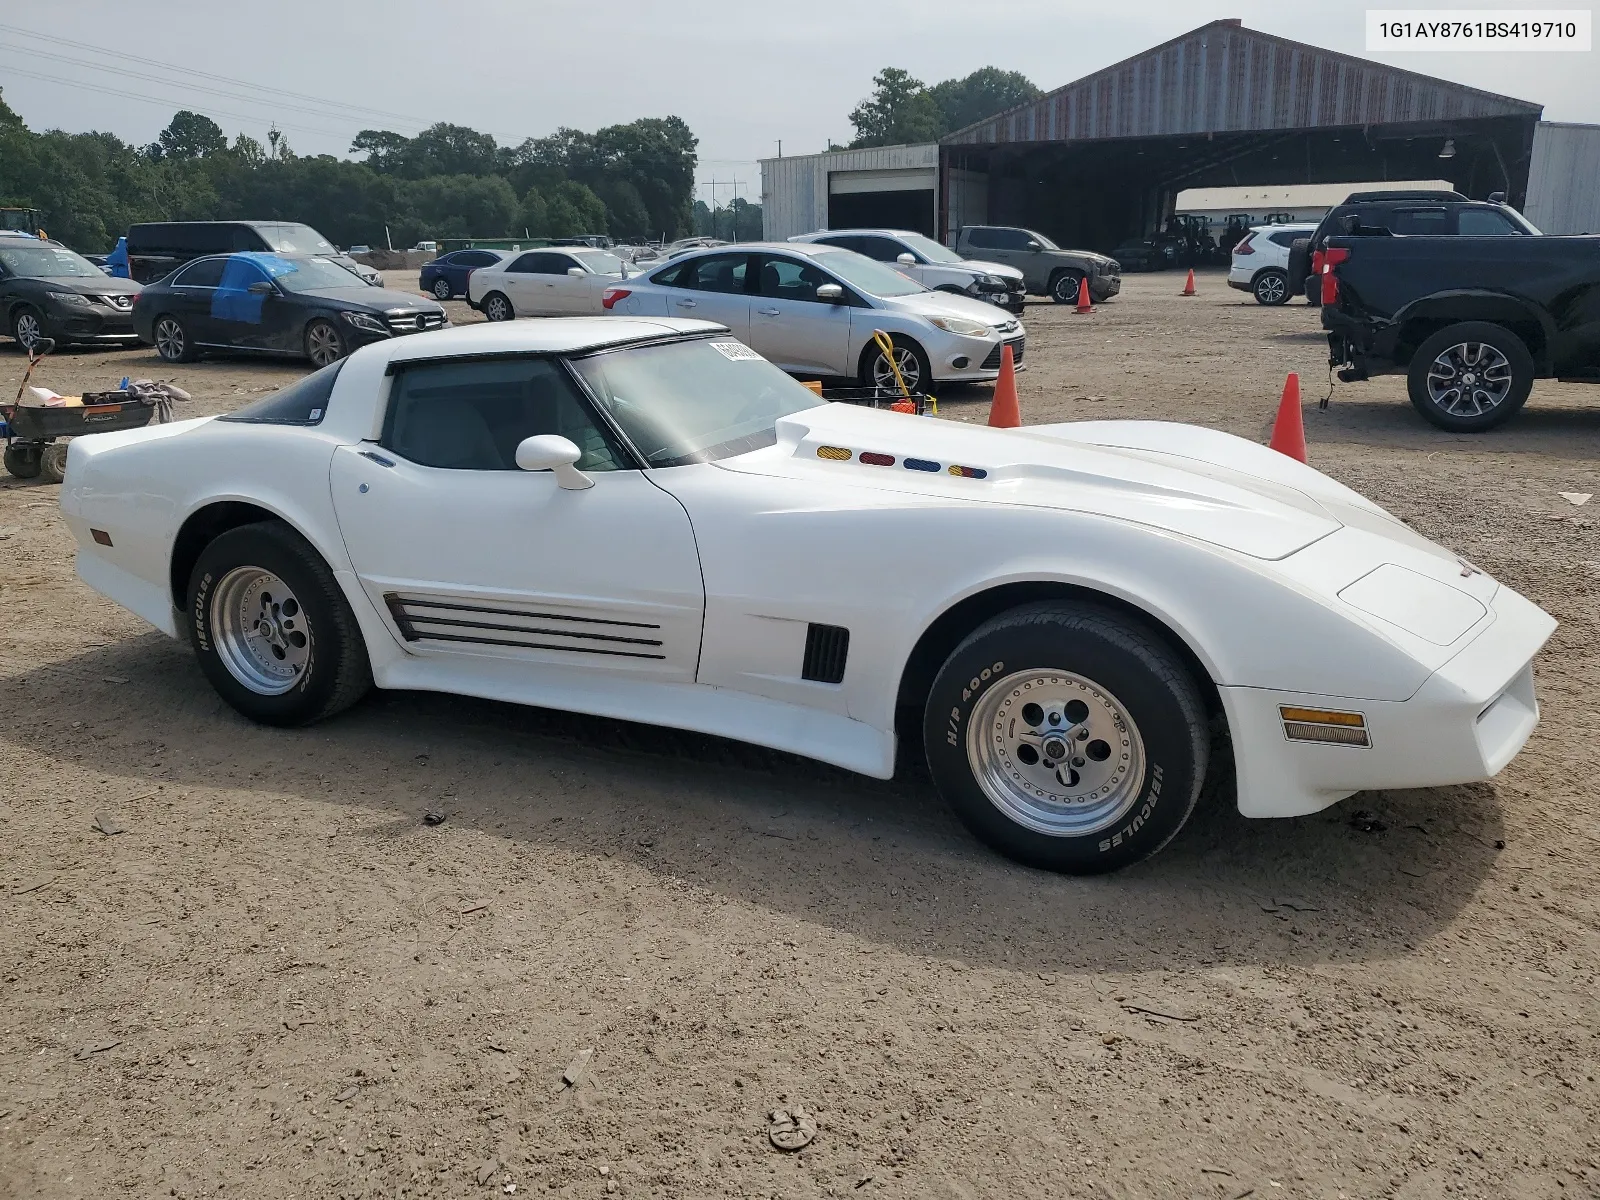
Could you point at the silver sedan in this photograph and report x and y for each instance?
(813, 310)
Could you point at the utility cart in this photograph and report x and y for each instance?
(37, 437)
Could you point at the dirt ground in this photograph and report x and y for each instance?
(279, 982)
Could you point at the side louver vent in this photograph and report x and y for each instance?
(827, 647)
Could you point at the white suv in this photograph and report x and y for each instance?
(1261, 262)
(935, 267)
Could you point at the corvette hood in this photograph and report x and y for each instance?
(1210, 499)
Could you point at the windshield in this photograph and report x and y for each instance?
(599, 261)
(295, 239)
(867, 275)
(699, 401)
(36, 262)
(308, 274)
(930, 249)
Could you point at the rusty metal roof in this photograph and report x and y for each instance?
(1224, 77)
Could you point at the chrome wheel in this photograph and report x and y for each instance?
(498, 308)
(27, 329)
(261, 632)
(170, 340)
(1056, 753)
(910, 371)
(323, 344)
(441, 289)
(1469, 379)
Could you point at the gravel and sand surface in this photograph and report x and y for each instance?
(278, 981)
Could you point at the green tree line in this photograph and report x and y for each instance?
(903, 109)
(632, 181)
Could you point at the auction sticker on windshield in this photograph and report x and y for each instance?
(737, 352)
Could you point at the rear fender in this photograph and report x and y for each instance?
(1425, 316)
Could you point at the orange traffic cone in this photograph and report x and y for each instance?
(1084, 305)
(1005, 413)
(1188, 284)
(1289, 431)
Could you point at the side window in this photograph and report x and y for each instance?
(524, 265)
(716, 273)
(1483, 222)
(1285, 239)
(791, 279)
(471, 416)
(242, 238)
(1420, 221)
(301, 403)
(475, 258)
(1013, 239)
(674, 276)
(881, 248)
(205, 273)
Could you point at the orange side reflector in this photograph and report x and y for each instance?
(1319, 716)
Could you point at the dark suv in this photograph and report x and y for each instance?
(1407, 213)
(158, 249)
(47, 291)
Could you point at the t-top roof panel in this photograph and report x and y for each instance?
(1223, 77)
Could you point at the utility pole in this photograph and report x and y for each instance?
(713, 184)
(733, 210)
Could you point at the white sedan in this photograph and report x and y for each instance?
(644, 520)
(813, 310)
(553, 282)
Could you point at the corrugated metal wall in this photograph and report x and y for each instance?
(1223, 77)
(1564, 178)
(794, 190)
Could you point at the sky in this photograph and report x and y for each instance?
(744, 76)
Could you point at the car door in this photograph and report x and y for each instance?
(525, 285)
(193, 290)
(790, 326)
(470, 556)
(575, 295)
(711, 287)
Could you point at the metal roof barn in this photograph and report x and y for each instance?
(1102, 158)
(886, 186)
(1564, 178)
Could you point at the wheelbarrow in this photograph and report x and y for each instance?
(37, 438)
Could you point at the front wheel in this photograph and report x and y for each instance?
(915, 371)
(1271, 288)
(1068, 737)
(497, 308)
(271, 629)
(1470, 377)
(23, 462)
(1064, 287)
(324, 343)
(27, 327)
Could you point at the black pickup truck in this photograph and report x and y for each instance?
(1471, 321)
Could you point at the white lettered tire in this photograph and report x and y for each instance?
(1068, 736)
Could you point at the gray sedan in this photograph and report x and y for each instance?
(813, 309)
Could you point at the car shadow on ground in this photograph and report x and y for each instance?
(883, 861)
(1561, 421)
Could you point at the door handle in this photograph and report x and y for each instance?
(770, 312)
(685, 303)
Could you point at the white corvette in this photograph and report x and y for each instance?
(693, 540)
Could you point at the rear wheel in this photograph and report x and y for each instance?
(22, 462)
(1064, 287)
(1470, 377)
(172, 340)
(272, 630)
(1068, 737)
(497, 308)
(442, 289)
(27, 327)
(908, 357)
(1271, 287)
(53, 462)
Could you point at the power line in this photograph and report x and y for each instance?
(274, 105)
(124, 94)
(191, 72)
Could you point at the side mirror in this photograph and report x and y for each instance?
(906, 260)
(832, 293)
(576, 272)
(1497, 197)
(552, 452)
(1348, 224)
(1034, 246)
(261, 287)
